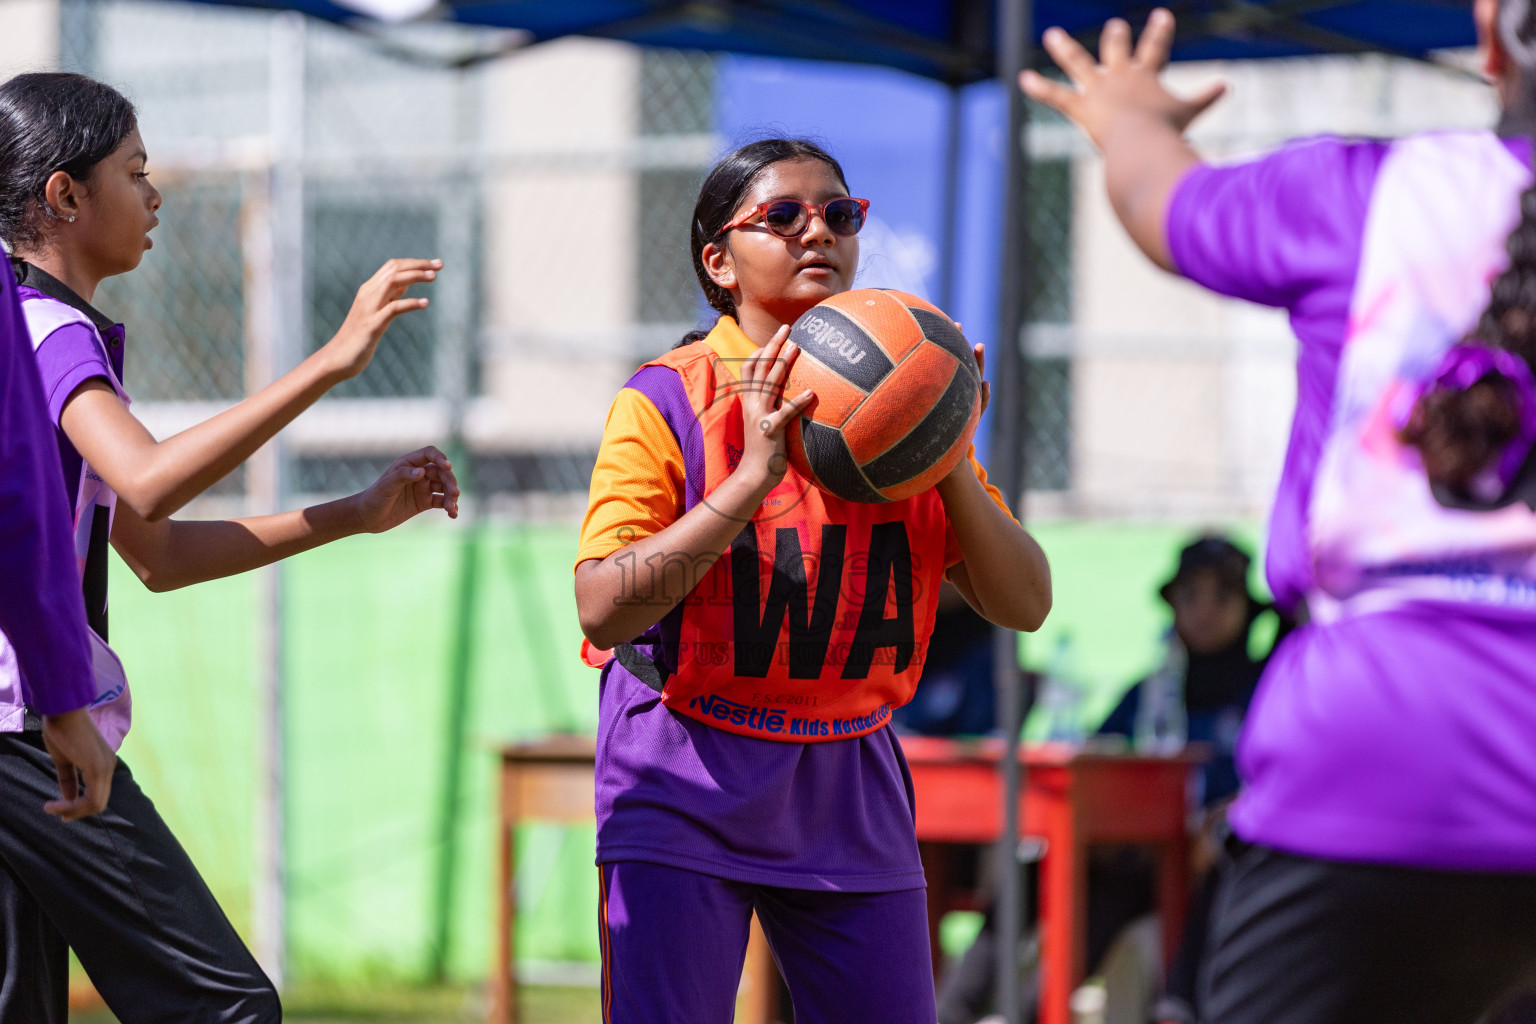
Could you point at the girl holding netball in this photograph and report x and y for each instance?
(1387, 863)
(709, 565)
(76, 206)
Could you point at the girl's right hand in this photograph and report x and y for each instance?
(378, 302)
(765, 413)
(412, 484)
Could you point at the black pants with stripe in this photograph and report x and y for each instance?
(1301, 941)
(119, 890)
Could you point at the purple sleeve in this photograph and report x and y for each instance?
(1279, 229)
(44, 617)
(664, 388)
(67, 358)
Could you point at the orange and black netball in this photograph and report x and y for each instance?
(898, 395)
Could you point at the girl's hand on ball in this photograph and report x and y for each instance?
(378, 302)
(412, 484)
(980, 352)
(764, 410)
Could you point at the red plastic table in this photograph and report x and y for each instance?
(1072, 800)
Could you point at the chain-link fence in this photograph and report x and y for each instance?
(400, 158)
(565, 260)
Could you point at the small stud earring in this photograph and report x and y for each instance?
(71, 218)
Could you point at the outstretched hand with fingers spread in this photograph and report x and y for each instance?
(1137, 124)
(1122, 81)
(378, 302)
(765, 412)
(411, 485)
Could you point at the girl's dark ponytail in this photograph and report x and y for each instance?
(721, 193)
(52, 122)
(1461, 429)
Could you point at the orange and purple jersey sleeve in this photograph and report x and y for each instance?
(637, 483)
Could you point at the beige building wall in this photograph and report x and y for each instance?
(29, 36)
(560, 126)
(1148, 381)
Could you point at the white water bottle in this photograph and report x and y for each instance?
(1162, 724)
(1060, 697)
(1089, 1004)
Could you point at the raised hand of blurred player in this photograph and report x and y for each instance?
(378, 302)
(1137, 124)
(410, 486)
(765, 412)
(1123, 80)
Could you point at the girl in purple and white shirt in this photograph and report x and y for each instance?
(1387, 863)
(76, 206)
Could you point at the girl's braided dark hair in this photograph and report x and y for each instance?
(1459, 432)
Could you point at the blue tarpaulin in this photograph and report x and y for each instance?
(949, 40)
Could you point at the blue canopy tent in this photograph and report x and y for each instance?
(953, 41)
(956, 42)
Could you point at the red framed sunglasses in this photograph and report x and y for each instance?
(790, 217)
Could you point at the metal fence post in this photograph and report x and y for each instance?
(456, 293)
(283, 297)
(1014, 39)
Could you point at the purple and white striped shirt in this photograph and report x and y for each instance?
(70, 348)
(40, 600)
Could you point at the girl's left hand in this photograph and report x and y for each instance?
(379, 301)
(411, 485)
(980, 351)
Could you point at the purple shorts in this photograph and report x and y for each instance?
(673, 943)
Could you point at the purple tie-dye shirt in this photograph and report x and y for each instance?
(1392, 729)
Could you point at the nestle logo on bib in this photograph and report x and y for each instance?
(759, 719)
(833, 340)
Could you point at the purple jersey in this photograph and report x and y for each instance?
(671, 790)
(43, 611)
(1395, 726)
(74, 343)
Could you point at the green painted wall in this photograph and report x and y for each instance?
(369, 628)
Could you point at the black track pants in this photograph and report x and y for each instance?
(120, 891)
(1301, 941)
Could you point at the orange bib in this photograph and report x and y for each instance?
(813, 624)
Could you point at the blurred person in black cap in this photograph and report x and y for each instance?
(1213, 617)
